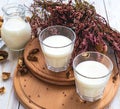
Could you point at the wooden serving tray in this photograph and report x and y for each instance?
(39, 68)
(39, 93)
(34, 93)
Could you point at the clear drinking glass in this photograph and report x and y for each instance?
(15, 31)
(92, 71)
(57, 43)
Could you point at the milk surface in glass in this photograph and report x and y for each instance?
(57, 54)
(86, 85)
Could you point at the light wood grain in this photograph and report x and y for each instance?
(36, 94)
(40, 70)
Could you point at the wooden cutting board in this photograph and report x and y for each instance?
(34, 93)
(39, 68)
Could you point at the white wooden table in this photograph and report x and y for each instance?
(109, 9)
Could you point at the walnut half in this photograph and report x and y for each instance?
(3, 55)
(5, 75)
(2, 90)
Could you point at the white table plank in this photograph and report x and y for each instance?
(8, 100)
(21, 107)
(113, 10)
(99, 6)
(116, 101)
(26, 2)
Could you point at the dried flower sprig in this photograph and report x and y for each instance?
(92, 30)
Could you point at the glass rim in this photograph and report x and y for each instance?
(110, 71)
(13, 5)
(60, 46)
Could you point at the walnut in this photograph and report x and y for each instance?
(2, 90)
(32, 58)
(23, 70)
(20, 62)
(31, 54)
(22, 67)
(5, 75)
(33, 36)
(68, 75)
(1, 19)
(1, 24)
(27, 19)
(3, 55)
(34, 51)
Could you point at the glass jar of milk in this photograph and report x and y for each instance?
(15, 31)
(92, 71)
(57, 43)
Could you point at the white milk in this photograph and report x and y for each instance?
(91, 87)
(57, 57)
(16, 33)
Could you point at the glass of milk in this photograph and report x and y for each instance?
(15, 31)
(92, 71)
(57, 43)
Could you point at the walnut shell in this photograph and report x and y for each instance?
(2, 90)
(3, 55)
(5, 75)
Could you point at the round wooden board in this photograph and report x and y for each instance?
(36, 94)
(39, 68)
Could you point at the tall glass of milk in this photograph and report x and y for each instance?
(92, 71)
(15, 31)
(57, 43)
